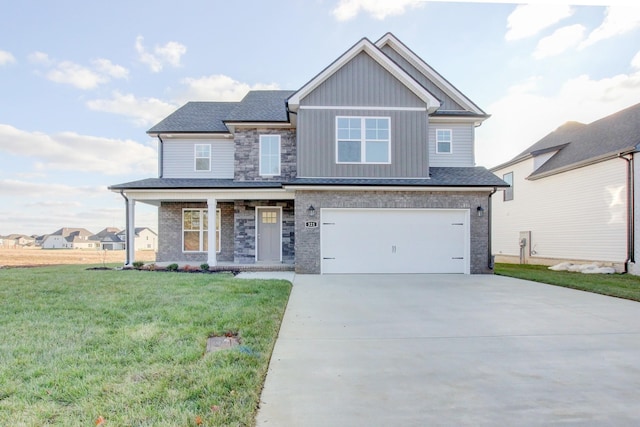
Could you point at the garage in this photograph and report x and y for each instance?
(394, 241)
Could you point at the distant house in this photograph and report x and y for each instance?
(111, 242)
(145, 239)
(572, 196)
(16, 240)
(69, 238)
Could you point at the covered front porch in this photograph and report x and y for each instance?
(250, 229)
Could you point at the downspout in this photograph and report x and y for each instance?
(160, 157)
(630, 212)
(126, 203)
(489, 255)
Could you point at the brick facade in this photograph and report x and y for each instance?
(247, 154)
(308, 239)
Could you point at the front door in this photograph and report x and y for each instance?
(269, 233)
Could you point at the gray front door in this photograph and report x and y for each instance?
(269, 232)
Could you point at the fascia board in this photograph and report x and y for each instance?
(427, 70)
(383, 60)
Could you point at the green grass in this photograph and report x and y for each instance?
(617, 285)
(129, 346)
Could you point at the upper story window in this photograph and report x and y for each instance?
(203, 157)
(444, 141)
(508, 192)
(269, 155)
(363, 140)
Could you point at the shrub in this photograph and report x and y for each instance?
(204, 267)
(188, 268)
(172, 267)
(138, 264)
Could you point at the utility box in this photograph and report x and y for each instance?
(525, 246)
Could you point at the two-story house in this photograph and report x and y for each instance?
(368, 168)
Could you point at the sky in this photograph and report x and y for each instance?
(81, 82)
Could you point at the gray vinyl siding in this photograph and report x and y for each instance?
(362, 82)
(446, 102)
(317, 145)
(178, 155)
(462, 150)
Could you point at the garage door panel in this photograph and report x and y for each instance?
(394, 241)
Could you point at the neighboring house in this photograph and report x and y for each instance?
(69, 238)
(16, 240)
(145, 239)
(112, 242)
(368, 168)
(572, 195)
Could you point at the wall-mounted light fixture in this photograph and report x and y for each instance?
(480, 210)
(311, 210)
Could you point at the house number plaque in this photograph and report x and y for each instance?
(311, 224)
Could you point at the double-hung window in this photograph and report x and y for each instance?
(444, 141)
(269, 155)
(203, 157)
(363, 140)
(195, 230)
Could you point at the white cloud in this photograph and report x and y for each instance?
(81, 77)
(142, 111)
(618, 20)
(40, 58)
(528, 20)
(76, 75)
(6, 57)
(219, 87)
(525, 115)
(558, 42)
(170, 53)
(108, 68)
(70, 151)
(30, 190)
(378, 9)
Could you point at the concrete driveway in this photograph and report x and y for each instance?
(440, 350)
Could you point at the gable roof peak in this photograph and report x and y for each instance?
(366, 46)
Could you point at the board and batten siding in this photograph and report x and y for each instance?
(462, 145)
(362, 82)
(317, 145)
(576, 215)
(179, 158)
(446, 103)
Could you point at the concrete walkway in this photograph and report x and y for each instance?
(451, 350)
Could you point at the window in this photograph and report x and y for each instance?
(508, 192)
(443, 141)
(363, 140)
(269, 154)
(195, 230)
(203, 157)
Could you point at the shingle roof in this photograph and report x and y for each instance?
(578, 144)
(209, 117)
(196, 117)
(261, 106)
(439, 177)
(179, 183)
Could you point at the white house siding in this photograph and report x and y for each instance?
(179, 158)
(635, 268)
(56, 242)
(462, 136)
(575, 215)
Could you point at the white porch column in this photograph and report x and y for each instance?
(131, 231)
(212, 205)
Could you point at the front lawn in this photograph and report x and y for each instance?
(617, 285)
(127, 348)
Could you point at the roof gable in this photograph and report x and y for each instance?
(383, 60)
(392, 42)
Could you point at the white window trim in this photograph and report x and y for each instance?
(279, 155)
(450, 141)
(363, 141)
(195, 157)
(508, 192)
(218, 231)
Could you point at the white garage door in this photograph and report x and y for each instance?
(394, 240)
